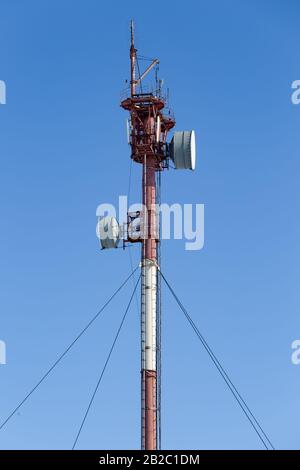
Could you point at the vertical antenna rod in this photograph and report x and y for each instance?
(132, 60)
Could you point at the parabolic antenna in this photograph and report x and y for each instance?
(108, 232)
(183, 150)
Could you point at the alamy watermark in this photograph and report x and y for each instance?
(295, 97)
(2, 92)
(295, 357)
(176, 221)
(2, 352)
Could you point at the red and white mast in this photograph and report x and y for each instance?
(148, 134)
(148, 130)
(149, 344)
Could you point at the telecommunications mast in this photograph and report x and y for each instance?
(148, 129)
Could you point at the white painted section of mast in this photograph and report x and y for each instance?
(149, 293)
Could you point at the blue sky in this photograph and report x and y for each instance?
(229, 66)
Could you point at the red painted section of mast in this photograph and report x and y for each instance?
(149, 201)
